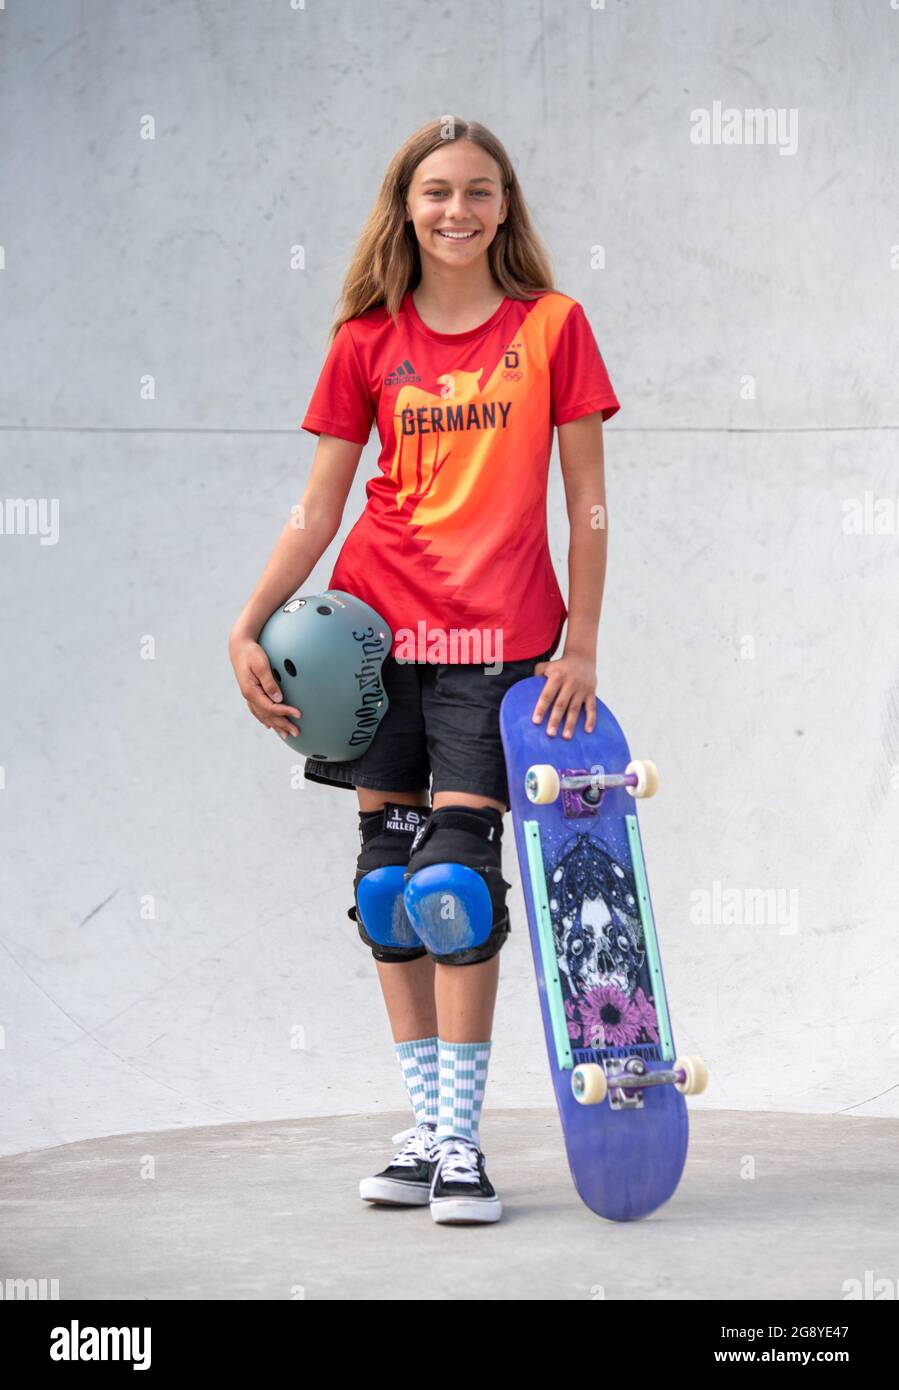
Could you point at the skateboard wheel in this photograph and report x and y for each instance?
(541, 784)
(697, 1075)
(588, 1083)
(647, 777)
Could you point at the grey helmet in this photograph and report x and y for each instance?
(326, 652)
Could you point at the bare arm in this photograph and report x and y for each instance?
(306, 536)
(583, 469)
(313, 525)
(571, 678)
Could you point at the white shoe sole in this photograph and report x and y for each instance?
(466, 1211)
(392, 1193)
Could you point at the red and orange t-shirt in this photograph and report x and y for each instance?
(452, 544)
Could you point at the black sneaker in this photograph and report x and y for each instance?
(406, 1181)
(461, 1192)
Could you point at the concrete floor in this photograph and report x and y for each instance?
(270, 1211)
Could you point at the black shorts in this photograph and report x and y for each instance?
(441, 721)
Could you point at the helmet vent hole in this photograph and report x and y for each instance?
(290, 668)
(277, 675)
(325, 611)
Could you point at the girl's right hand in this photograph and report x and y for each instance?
(259, 687)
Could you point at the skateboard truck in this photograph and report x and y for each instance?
(623, 1097)
(624, 1080)
(582, 790)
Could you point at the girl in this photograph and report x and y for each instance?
(451, 336)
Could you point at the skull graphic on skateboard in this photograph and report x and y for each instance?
(619, 1083)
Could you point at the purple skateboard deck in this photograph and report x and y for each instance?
(599, 974)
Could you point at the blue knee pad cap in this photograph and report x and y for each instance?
(455, 891)
(380, 913)
(379, 900)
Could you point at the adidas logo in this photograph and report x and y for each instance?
(403, 375)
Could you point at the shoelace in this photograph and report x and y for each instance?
(420, 1142)
(458, 1160)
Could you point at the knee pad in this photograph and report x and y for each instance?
(455, 893)
(380, 914)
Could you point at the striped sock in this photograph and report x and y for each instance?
(419, 1060)
(463, 1077)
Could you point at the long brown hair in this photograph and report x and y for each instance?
(387, 262)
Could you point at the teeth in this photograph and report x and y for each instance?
(456, 236)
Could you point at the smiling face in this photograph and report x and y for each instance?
(456, 189)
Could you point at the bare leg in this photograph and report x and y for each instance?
(407, 986)
(466, 994)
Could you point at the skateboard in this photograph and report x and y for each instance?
(619, 1084)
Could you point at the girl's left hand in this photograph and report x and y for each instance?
(570, 683)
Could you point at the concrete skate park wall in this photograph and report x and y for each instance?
(176, 949)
